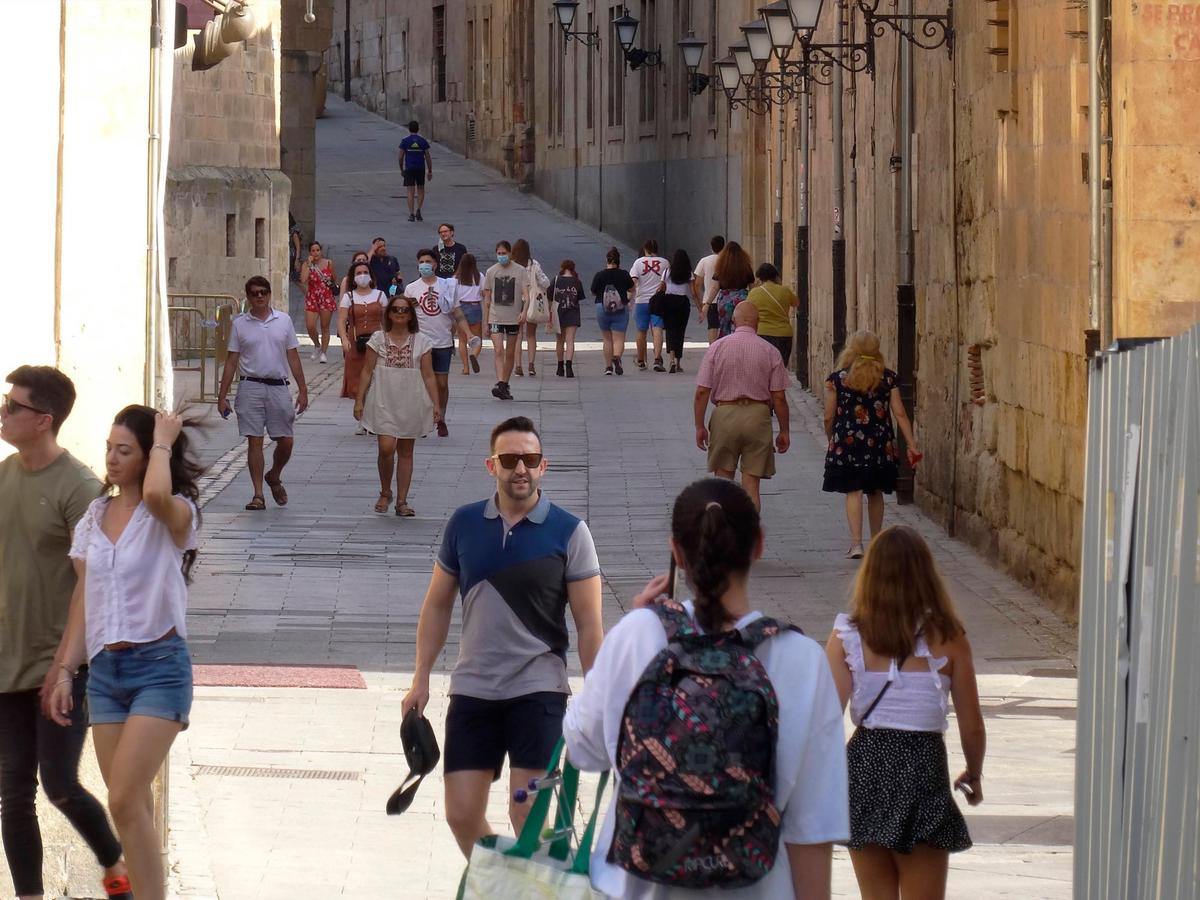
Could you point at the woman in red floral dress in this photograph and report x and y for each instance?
(316, 274)
(861, 400)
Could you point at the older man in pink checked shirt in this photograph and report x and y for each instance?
(745, 378)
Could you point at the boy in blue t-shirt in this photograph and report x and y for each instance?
(416, 167)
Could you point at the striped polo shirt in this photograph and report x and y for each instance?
(513, 580)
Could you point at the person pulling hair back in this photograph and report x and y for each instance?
(717, 529)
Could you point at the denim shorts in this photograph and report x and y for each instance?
(152, 679)
(645, 321)
(439, 358)
(612, 321)
(472, 312)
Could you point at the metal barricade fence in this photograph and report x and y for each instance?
(1137, 780)
(199, 326)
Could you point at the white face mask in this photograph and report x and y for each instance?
(362, 279)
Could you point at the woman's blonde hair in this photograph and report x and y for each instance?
(898, 594)
(863, 362)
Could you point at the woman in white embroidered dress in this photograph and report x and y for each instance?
(897, 657)
(133, 550)
(397, 398)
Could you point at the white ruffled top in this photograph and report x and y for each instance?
(916, 701)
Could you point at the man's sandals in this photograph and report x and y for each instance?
(257, 503)
(278, 493)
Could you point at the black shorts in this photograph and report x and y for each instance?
(714, 316)
(480, 733)
(505, 329)
(414, 177)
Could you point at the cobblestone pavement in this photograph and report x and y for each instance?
(279, 792)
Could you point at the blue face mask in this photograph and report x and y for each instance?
(502, 258)
(426, 269)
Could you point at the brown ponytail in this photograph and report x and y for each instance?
(715, 525)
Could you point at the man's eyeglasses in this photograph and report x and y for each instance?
(259, 292)
(11, 406)
(510, 460)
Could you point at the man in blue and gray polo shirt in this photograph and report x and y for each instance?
(518, 561)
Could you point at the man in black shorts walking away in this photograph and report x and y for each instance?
(416, 166)
(518, 561)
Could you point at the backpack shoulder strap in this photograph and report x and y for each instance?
(674, 618)
(765, 628)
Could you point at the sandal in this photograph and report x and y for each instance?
(278, 494)
(257, 503)
(404, 510)
(384, 501)
(118, 888)
(466, 371)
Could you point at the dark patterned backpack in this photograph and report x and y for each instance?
(696, 758)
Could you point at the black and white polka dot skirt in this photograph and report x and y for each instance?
(900, 792)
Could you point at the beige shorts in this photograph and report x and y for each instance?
(740, 432)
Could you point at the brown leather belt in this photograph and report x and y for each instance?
(742, 401)
(129, 645)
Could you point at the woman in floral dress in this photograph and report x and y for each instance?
(397, 398)
(861, 401)
(316, 274)
(734, 274)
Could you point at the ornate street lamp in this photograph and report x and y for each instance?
(626, 27)
(692, 49)
(805, 13)
(777, 17)
(742, 59)
(758, 40)
(566, 18)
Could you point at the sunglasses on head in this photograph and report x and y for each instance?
(11, 406)
(259, 292)
(510, 460)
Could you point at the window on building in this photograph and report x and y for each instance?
(231, 234)
(616, 71)
(470, 59)
(487, 59)
(439, 53)
(260, 238)
(648, 84)
(590, 104)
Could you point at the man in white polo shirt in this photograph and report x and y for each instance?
(262, 350)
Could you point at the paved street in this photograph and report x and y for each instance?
(278, 792)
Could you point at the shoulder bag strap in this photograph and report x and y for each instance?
(879, 696)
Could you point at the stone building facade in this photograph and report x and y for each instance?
(227, 197)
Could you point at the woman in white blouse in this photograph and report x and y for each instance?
(133, 550)
(715, 538)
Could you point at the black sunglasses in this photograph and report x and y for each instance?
(260, 292)
(400, 309)
(11, 406)
(510, 460)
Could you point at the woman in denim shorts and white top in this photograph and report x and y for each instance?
(133, 550)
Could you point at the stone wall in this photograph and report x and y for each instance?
(227, 198)
(1002, 218)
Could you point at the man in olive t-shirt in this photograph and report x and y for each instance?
(44, 491)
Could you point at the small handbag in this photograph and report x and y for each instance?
(656, 302)
(360, 340)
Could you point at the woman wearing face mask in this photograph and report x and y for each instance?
(316, 274)
(360, 313)
(133, 552)
(347, 284)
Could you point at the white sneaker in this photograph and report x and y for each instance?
(316, 354)
(323, 358)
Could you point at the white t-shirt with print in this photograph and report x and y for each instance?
(811, 785)
(706, 269)
(647, 273)
(433, 303)
(467, 293)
